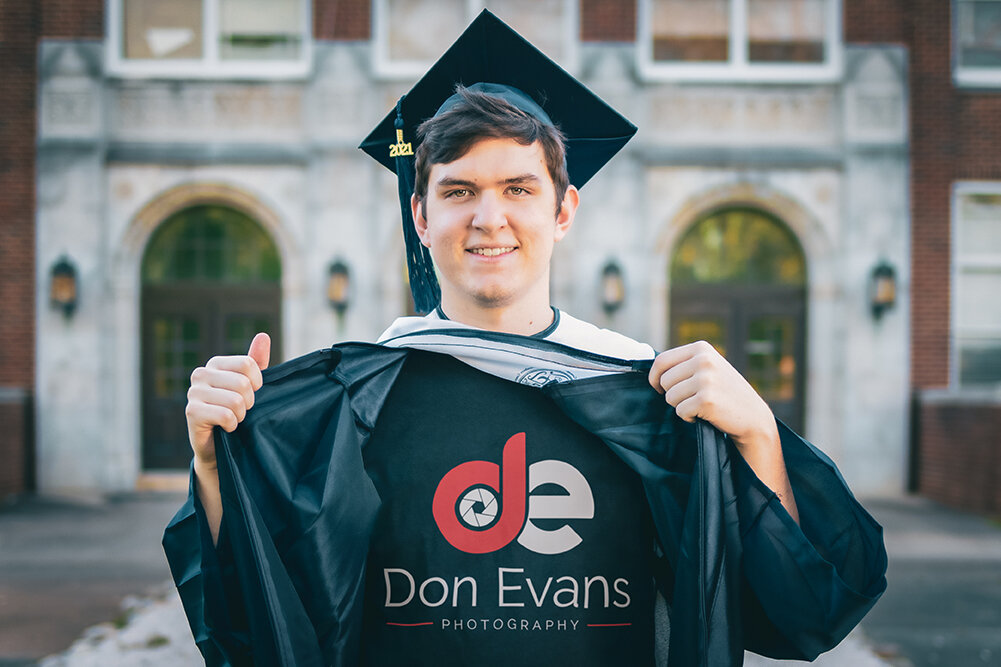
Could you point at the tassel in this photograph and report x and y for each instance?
(423, 282)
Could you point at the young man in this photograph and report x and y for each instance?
(394, 505)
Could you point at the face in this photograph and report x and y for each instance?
(490, 222)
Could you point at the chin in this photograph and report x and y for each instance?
(494, 296)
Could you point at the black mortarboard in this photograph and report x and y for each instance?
(489, 51)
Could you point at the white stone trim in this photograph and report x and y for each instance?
(738, 69)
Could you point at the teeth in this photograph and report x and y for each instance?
(491, 252)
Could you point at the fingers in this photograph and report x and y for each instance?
(216, 397)
(689, 377)
(221, 392)
(669, 359)
(260, 350)
(682, 391)
(240, 364)
(235, 381)
(202, 417)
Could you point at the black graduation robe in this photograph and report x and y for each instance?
(285, 584)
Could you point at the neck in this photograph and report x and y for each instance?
(523, 320)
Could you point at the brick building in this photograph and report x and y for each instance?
(191, 168)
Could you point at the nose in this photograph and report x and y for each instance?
(489, 214)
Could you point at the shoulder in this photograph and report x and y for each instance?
(586, 336)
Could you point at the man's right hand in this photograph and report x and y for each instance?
(221, 393)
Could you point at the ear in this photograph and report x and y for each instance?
(420, 222)
(565, 218)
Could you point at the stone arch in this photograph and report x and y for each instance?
(145, 221)
(807, 229)
(123, 321)
(815, 236)
(817, 244)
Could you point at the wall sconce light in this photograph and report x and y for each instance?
(339, 287)
(613, 287)
(882, 288)
(63, 286)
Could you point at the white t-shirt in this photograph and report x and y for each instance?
(565, 330)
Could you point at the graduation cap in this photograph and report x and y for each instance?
(490, 52)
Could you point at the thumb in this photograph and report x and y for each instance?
(260, 350)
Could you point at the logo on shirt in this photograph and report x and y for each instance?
(480, 506)
(540, 377)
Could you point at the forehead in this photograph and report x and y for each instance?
(490, 158)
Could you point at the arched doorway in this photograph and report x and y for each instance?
(211, 279)
(738, 281)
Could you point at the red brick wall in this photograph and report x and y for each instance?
(955, 135)
(72, 19)
(979, 123)
(19, 25)
(608, 20)
(960, 460)
(875, 21)
(600, 20)
(935, 154)
(342, 19)
(16, 475)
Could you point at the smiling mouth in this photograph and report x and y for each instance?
(491, 252)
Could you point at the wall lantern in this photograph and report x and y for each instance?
(63, 286)
(882, 288)
(339, 287)
(613, 287)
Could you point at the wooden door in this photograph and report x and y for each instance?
(738, 281)
(211, 281)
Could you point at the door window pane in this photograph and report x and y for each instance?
(738, 246)
(211, 244)
(691, 30)
(241, 329)
(771, 357)
(785, 31)
(978, 33)
(176, 346)
(260, 29)
(713, 331)
(162, 29)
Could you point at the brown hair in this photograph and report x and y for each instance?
(450, 135)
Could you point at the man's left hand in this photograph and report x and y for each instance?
(700, 383)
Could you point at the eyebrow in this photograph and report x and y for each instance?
(449, 182)
(524, 178)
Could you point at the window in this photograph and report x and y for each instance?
(210, 244)
(209, 38)
(400, 29)
(978, 42)
(976, 283)
(777, 40)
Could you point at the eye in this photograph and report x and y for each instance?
(458, 193)
(517, 190)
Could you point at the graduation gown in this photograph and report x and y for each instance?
(285, 584)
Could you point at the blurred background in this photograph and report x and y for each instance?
(815, 188)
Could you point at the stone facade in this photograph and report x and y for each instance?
(118, 156)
